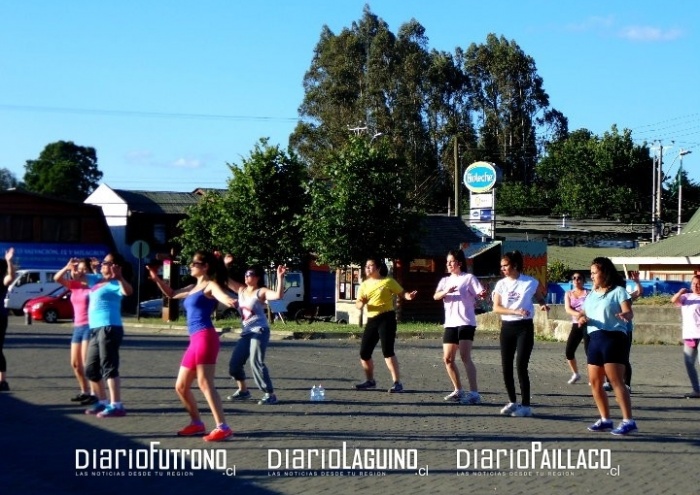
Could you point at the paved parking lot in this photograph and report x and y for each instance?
(420, 443)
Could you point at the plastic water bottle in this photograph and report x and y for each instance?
(314, 394)
(321, 393)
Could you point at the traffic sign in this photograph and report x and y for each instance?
(140, 249)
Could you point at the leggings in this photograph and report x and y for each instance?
(517, 336)
(577, 334)
(379, 328)
(3, 332)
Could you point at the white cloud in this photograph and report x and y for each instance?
(191, 163)
(649, 33)
(139, 157)
(595, 23)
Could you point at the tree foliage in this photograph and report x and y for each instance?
(64, 170)
(8, 180)
(362, 209)
(256, 218)
(587, 176)
(425, 102)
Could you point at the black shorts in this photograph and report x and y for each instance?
(453, 335)
(608, 347)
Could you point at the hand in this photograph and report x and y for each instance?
(228, 259)
(116, 271)
(634, 275)
(152, 272)
(623, 317)
(452, 289)
(9, 254)
(281, 270)
(411, 295)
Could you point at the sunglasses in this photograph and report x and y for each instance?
(250, 274)
(576, 278)
(197, 263)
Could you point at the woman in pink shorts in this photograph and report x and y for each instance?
(199, 360)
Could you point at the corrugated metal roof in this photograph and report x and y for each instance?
(158, 202)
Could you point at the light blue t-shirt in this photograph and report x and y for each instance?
(602, 310)
(105, 306)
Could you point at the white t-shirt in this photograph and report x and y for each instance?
(690, 312)
(459, 305)
(517, 294)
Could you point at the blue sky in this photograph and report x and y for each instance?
(170, 92)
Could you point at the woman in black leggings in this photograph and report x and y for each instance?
(7, 272)
(513, 300)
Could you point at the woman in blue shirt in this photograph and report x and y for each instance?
(607, 312)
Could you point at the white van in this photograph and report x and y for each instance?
(28, 284)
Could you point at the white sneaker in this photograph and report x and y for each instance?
(455, 396)
(509, 409)
(522, 412)
(574, 378)
(471, 398)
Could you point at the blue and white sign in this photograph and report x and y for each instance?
(480, 177)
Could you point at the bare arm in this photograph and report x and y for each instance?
(639, 290)
(273, 295)
(214, 290)
(60, 278)
(125, 286)
(165, 288)
(10, 275)
(677, 296)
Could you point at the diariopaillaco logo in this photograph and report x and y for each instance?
(535, 460)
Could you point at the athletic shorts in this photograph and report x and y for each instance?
(453, 335)
(81, 333)
(203, 349)
(608, 347)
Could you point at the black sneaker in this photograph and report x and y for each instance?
(366, 385)
(89, 400)
(79, 398)
(396, 388)
(4, 386)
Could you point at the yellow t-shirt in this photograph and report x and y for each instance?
(379, 294)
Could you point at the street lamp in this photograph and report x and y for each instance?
(680, 185)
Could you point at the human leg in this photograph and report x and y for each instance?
(508, 343)
(183, 388)
(258, 346)
(466, 342)
(239, 356)
(690, 356)
(524, 346)
(387, 336)
(370, 338)
(3, 362)
(572, 343)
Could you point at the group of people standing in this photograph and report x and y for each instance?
(601, 318)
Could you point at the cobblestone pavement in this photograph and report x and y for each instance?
(437, 447)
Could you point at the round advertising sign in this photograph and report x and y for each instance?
(480, 177)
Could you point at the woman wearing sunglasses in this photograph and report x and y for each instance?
(255, 333)
(199, 360)
(573, 303)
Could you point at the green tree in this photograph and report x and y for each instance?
(8, 180)
(64, 170)
(256, 218)
(511, 106)
(362, 209)
(372, 80)
(584, 175)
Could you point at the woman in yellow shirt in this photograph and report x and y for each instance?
(377, 295)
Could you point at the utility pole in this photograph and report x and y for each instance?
(458, 184)
(657, 228)
(680, 186)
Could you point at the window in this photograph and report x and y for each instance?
(16, 228)
(60, 229)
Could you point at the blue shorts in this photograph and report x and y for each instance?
(81, 333)
(608, 347)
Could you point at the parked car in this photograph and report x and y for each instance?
(51, 307)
